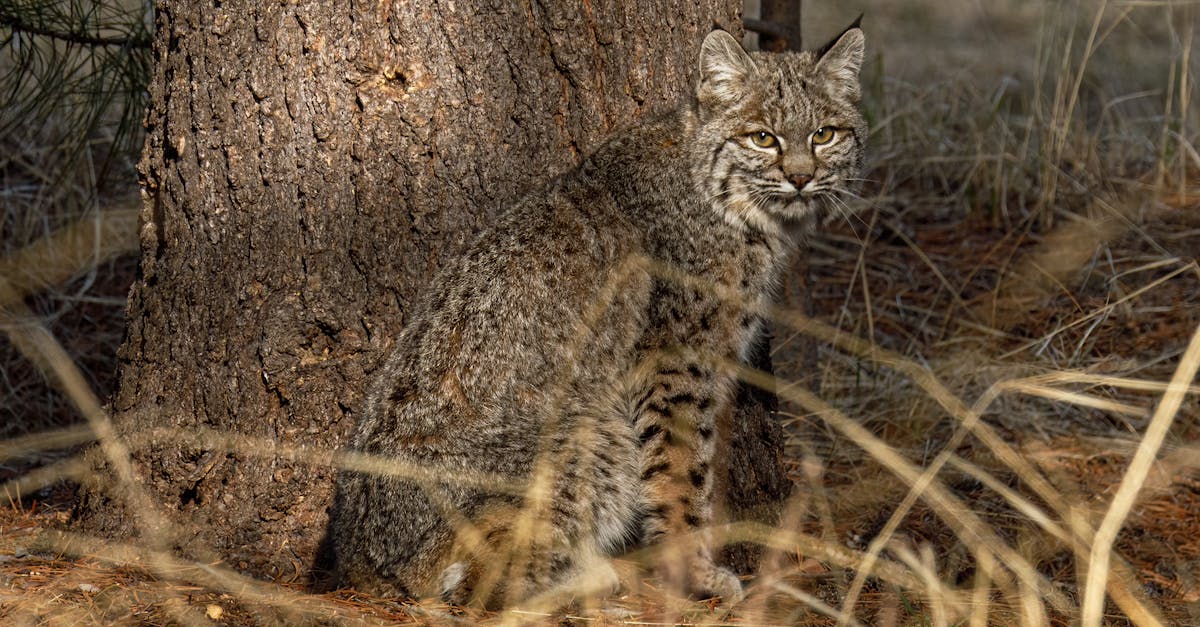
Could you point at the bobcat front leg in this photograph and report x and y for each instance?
(676, 425)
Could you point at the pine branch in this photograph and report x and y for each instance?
(764, 27)
(17, 24)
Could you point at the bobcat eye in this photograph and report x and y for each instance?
(823, 135)
(763, 139)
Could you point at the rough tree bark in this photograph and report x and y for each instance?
(308, 166)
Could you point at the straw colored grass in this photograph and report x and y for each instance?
(1000, 426)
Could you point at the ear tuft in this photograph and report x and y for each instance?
(724, 69)
(857, 23)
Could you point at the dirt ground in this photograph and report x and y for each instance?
(1016, 289)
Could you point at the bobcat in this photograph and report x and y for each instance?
(559, 384)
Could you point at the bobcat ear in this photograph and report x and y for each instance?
(842, 58)
(724, 70)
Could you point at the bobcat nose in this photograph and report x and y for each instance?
(800, 180)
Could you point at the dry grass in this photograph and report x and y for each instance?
(1003, 426)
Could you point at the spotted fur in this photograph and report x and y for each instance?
(562, 350)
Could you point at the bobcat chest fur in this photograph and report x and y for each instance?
(554, 397)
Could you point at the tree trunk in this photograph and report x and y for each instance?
(783, 17)
(308, 166)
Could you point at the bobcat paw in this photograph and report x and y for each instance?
(710, 580)
(700, 578)
(592, 581)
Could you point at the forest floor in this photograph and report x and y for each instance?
(1016, 289)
